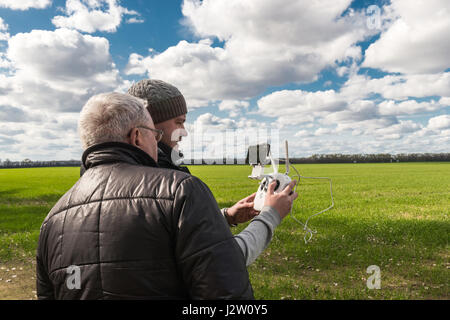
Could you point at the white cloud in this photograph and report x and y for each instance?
(91, 16)
(234, 107)
(50, 75)
(417, 42)
(323, 131)
(364, 118)
(298, 108)
(397, 130)
(4, 36)
(135, 20)
(54, 55)
(298, 120)
(194, 68)
(137, 64)
(439, 122)
(57, 70)
(435, 136)
(397, 87)
(46, 136)
(445, 101)
(303, 134)
(367, 127)
(208, 120)
(15, 114)
(3, 25)
(298, 104)
(353, 108)
(25, 4)
(267, 21)
(390, 107)
(265, 44)
(355, 111)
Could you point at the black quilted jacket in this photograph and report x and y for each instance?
(164, 159)
(136, 231)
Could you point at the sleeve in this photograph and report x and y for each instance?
(258, 234)
(44, 287)
(209, 259)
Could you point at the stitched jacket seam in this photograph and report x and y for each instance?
(108, 199)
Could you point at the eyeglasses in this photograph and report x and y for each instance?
(158, 135)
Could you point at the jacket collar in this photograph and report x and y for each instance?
(167, 152)
(114, 152)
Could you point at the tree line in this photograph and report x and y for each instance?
(373, 158)
(316, 158)
(27, 163)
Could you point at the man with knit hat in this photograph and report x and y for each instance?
(167, 107)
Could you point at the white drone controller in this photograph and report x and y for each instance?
(282, 180)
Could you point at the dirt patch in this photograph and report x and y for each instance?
(18, 280)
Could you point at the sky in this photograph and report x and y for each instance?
(329, 76)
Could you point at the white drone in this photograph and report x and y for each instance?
(258, 156)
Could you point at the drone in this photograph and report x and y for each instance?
(258, 156)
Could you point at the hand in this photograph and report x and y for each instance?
(242, 211)
(282, 202)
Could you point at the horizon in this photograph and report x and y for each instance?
(242, 161)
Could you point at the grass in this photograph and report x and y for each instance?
(395, 216)
(391, 215)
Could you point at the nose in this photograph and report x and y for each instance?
(177, 134)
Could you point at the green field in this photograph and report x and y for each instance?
(395, 216)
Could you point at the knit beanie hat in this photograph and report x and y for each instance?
(164, 100)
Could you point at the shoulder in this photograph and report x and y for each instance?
(149, 181)
(125, 181)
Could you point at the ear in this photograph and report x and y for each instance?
(135, 137)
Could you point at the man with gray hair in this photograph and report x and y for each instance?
(168, 109)
(128, 229)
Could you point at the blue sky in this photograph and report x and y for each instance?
(329, 76)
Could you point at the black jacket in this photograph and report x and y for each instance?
(136, 231)
(164, 159)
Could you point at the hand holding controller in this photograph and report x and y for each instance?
(280, 182)
(276, 189)
(281, 201)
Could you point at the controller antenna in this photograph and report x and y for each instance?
(287, 157)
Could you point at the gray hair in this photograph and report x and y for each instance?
(108, 117)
